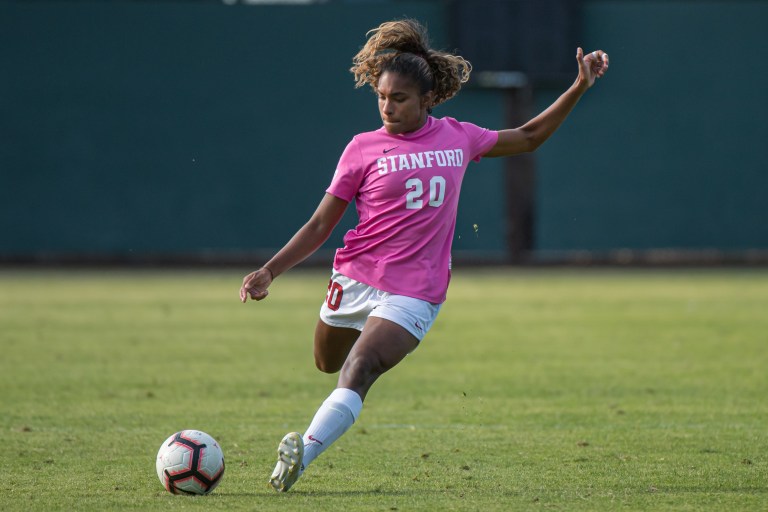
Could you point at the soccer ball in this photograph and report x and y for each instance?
(190, 462)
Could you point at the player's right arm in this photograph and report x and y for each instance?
(305, 242)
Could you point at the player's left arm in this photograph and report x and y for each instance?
(533, 133)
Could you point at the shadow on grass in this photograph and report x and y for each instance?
(327, 494)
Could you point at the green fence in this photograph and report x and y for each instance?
(172, 128)
(140, 129)
(669, 151)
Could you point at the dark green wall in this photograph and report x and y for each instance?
(133, 128)
(669, 151)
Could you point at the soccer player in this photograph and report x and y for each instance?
(390, 278)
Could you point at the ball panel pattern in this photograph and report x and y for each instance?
(190, 462)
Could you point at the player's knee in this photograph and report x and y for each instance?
(326, 366)
(361, 370)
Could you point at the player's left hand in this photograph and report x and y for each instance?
(592, 66)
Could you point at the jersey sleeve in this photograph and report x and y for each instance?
(481, 140)
(349, 173)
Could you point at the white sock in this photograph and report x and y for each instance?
(332, 419)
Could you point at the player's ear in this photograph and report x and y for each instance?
(427, 99)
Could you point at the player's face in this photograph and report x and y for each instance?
(401, 107)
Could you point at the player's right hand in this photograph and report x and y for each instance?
(255, 285)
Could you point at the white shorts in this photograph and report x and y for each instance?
(349, 303)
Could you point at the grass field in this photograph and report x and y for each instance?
(536, 390)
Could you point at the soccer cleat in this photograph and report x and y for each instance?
(289, 460)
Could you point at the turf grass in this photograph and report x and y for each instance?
(541, 389)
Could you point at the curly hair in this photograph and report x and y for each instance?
(402, 47)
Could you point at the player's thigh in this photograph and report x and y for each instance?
(332, 345)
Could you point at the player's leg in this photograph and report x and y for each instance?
(379, 348)
(342, 316)
(382, 345)
(332, 345)
(392, 330)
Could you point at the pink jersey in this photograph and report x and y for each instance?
(406, 188)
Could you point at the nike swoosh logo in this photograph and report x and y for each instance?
(390, 149)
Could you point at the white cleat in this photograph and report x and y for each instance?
(289, 458)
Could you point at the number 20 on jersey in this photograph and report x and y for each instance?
(414, 199)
